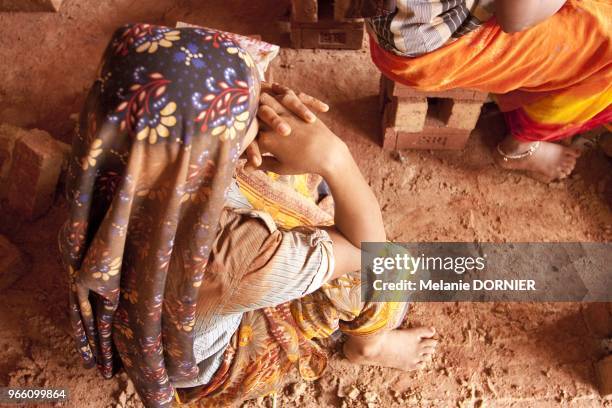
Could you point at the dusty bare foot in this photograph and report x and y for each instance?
(404, 349)
(550, 161)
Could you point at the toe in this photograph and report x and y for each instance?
(427, 352)
(425, 332)
(577, 152)
(428, 343)
(569, 160)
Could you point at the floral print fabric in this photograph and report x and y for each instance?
(154, 152)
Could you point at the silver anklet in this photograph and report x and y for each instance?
(517, 156)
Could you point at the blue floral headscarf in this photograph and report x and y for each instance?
(155, 150)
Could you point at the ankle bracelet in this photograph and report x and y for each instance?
(517, 156)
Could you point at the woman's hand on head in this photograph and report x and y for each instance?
(310, 148)
(303, 105)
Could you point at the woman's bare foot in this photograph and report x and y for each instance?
(404, 349)
(550, 161)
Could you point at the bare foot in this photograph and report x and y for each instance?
(550, 161)
(404, 349)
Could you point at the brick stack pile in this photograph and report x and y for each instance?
(322, 24)
(427, 120)
(30, 5)
(31, 163)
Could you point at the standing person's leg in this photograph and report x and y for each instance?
(535, 127)
(552, 80)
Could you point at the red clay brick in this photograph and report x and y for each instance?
(35, 169)
(408, 114)
(304, 11)
(389, 133)
(433, 136)
(327, 34)
(8, 135)
(12, 263)
(340, 9)
(459, 114)
(396, 89)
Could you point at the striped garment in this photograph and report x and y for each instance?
(301, 265)
(417, 27)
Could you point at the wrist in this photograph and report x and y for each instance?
(338, 161)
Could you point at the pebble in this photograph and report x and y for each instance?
(129, 387)
(353, 393)
(298, 389)
(399, 156)
(122, 398)
(370, 396)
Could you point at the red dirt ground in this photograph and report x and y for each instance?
(491, 355)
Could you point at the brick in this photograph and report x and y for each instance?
(433, 136)
(408, 114)
(30, 5)
(341, 7)
(382, 94)
(327, 34)
(35, 170)
(396, 89)
(8, 135)
(304, 11)
(13, 264)
(604, 376)
(459, 114)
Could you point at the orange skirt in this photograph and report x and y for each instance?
(552, 80)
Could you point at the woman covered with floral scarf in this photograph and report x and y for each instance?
(201, 296)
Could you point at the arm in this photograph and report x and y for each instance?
(313, 148)
(517, 15)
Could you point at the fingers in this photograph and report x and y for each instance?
(253, 154)
(427, 351)
(429, 343)
(425, 332)
(268, 116)
(295, 105)
(298, 104)
(267, 99)
(313, 102)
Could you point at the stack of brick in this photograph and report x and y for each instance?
(30, 5)
(322, 24)
(31, 162)
(427, 120)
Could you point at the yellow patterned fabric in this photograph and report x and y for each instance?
(274, 340)
(289, 200)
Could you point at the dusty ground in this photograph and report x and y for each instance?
(493, 355)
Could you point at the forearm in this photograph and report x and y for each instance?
(357, 213)
(518, 15)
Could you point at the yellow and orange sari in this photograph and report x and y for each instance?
(551, 81)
